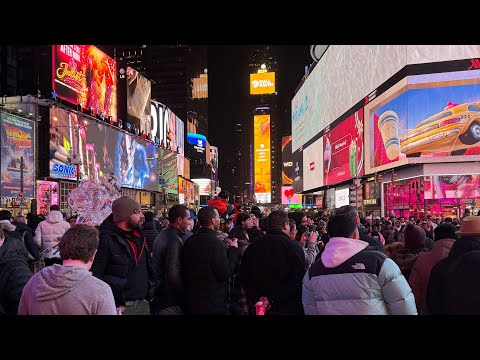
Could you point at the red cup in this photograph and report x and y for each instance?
(260, 308)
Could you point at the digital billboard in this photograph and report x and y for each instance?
(262, 83)
(139, 90)
(261, 145)
(163, 125)
(167, 170)
(180, 143)
(204, 186)
(452, 187)
(343, 150)
(287, 161)
(47, 195)
(297, 171)
(313, 165)
(198, 141)
(17, 141)
(342, 197)
(289, 197)
(425, 118)
(82, 74)
(214, 159)
(102, 150)
(200, 87)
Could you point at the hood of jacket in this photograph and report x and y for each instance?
(463, 245)
(219, 204)
(12, 249)
(23, 227)
(7, 225)
(340, 249)
(56, 280)
(54, 217)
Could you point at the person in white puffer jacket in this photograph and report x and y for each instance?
(48, 234)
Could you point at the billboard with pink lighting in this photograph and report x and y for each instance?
(289, 197)
(343, 150)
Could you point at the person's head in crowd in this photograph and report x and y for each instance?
(448, 220)
(425, 226)
(388, 225)
(54, 208)
(278, 221)
(470, 227)
(245, 220)
(127, 213)
(445, 231)
(72, 221)
(397, 226)
(255, 221)
(350, 211)
(414, 237)
(5, 215)
(375, 228)
(224, 194)
(343, 226)
(79, 243)
(179, 217)
(299, 217)
(209, 218)
(293, 229)
(149, 216)
(229, 225)
(20, 219)
(256, 211)
(302, 229)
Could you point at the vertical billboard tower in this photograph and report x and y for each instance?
(262, 160)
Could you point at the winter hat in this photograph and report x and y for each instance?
(445, 231)
(123, 207)
(414, 237)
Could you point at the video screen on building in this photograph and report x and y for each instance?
(17, 143)
(47, 195)
(102, 150)
(262, 83)
(424, 117)
(287, 161)
(167, 171)
(289, 197)
(200, 87)
(180, 143)
(262, 168)
(342, 197)
(82, 74)
(214, 159)
(139, 90)
(313, 165)
(343, 150)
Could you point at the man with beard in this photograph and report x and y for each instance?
(122, 259)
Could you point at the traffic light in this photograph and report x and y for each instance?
(394, 178)
(379, 178)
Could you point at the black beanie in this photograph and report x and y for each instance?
(445, 231)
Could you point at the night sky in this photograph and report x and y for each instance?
(228, 91)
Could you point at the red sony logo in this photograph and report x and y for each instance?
(475, 64)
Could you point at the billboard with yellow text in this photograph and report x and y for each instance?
(261, 144)
(262, 83)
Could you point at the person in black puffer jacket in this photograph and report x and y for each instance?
(26, 235)
(149, 229)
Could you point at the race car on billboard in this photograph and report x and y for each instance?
(454, 130)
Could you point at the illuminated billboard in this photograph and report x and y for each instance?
(102, 150)
(425, 118)
(261, 145)
(204, 186)
(82, 74)
(17, 141)
(139, 90)
(343, 150)
(287, 161)
(47, 195)
(313, 165)
(342, 197)
(262, 83)
(198, 141)
(214, 159)
(167, 171)
(200, 87)
(164, 123)
(180, 142)
(289, 197)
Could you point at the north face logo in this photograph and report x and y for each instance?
(359, 266)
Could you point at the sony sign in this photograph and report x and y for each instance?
(160, 127)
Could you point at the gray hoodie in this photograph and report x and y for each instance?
(66, 290)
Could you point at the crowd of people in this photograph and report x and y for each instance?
(226, 261)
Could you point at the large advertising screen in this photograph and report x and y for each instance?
(82, 74)
(262, 83)
(427, 118)
(200, 87)
(452, 187)
(342, 197)
(180, 142)
(164, 124)
(47, 195)
(343, 150)
(313, 158)
(17, 141)
(167, 171)
(287, 161)
(214, 159)
(198, 141)
(102, 150)
(261, 145)
(139, 90)
(289, 197)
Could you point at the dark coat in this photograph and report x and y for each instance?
(454, 285)
(32, 248)
(115, 260)
(14, 274)
(274, 267)
(167, 262)
(207, 267)
(150, 232)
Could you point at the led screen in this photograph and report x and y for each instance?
(313, 165)
(343, 150)
(17, 141)
(342, 197)
(47, 195)
(261, 134)
(82, 74)
(139, 90)
(102, 150)
(167, 170)
(262, 83)
(200, 87)
(287, 161)
(431, 116)
(289, 197)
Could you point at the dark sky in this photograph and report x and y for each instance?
(228, 90)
